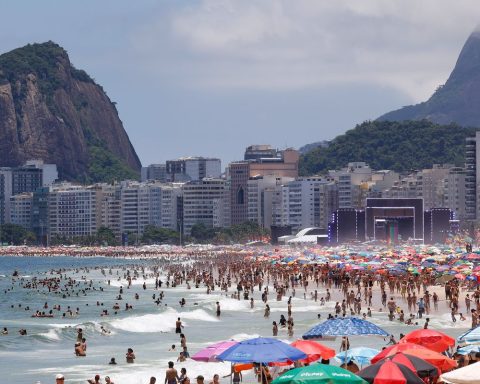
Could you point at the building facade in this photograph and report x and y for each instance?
(203, 203)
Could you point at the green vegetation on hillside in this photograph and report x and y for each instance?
(104, 166)
(398, 146)
(41, 60)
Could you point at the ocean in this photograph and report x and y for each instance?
(149, 329)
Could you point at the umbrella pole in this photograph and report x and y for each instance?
(231, 372)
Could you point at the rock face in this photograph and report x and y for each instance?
(49, 110)
(458, 100)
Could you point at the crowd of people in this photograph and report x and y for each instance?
(408, 298)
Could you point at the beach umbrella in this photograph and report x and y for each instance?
(344, 326)
(261, 350)
(394, 349)
(470, 337)
(468, 349)
(210, 353)
(440, 361)
(421, 367)
(444, 279)
(465, 375)
(313, 350)
(429, 338)
(388, 372)
(318, 373)
(360, 355)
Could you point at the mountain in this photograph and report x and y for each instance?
(399, 146)
(458, 100)
(310, 147)
(52, 111)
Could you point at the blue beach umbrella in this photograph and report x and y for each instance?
(261, 350)
(360, 355)
(468, 349)
(344, 326)
(470, 337)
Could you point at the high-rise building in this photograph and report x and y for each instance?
(72, 211)
(203, 203)
(192, 169)
(472, 177)
(258, 152)
(279, 164)
(260, 196)
(306, 202)
(454, 192)
(350, 180)
(40, 214)
(21, 209)
(26, 178)
(154, 172)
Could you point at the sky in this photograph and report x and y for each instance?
(208, 78)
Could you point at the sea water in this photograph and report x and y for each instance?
(149, 329)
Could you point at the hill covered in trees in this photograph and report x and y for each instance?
(52, 111)
(398, 146)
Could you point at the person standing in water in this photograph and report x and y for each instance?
(178, 326)
(171, 374)
(218, 309)
(130, 356)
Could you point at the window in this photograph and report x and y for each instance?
(240, 196)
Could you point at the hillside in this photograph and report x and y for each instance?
(399, 146)
(458, 100)
(52, 111)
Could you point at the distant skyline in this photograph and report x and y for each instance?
(208, 78)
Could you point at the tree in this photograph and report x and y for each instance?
(201, 233)
(105, 236)
(16, 235)
(159, 235)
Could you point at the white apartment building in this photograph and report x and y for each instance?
(130, 206)
(260, 196)
(110, 208)
(454, 192)
(203, 202)
(306, 202)
(349, 181)
(72, 210)
(192, 169)
(21, 209)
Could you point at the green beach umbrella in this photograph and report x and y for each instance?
(318, 373)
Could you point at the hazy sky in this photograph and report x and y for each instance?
(209, 78)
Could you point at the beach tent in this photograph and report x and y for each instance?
(466, 375)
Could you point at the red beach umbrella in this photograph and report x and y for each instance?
(394, 349)
(388, 372)
(429, 338)
(422, 368)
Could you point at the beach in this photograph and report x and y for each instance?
(149, 327)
